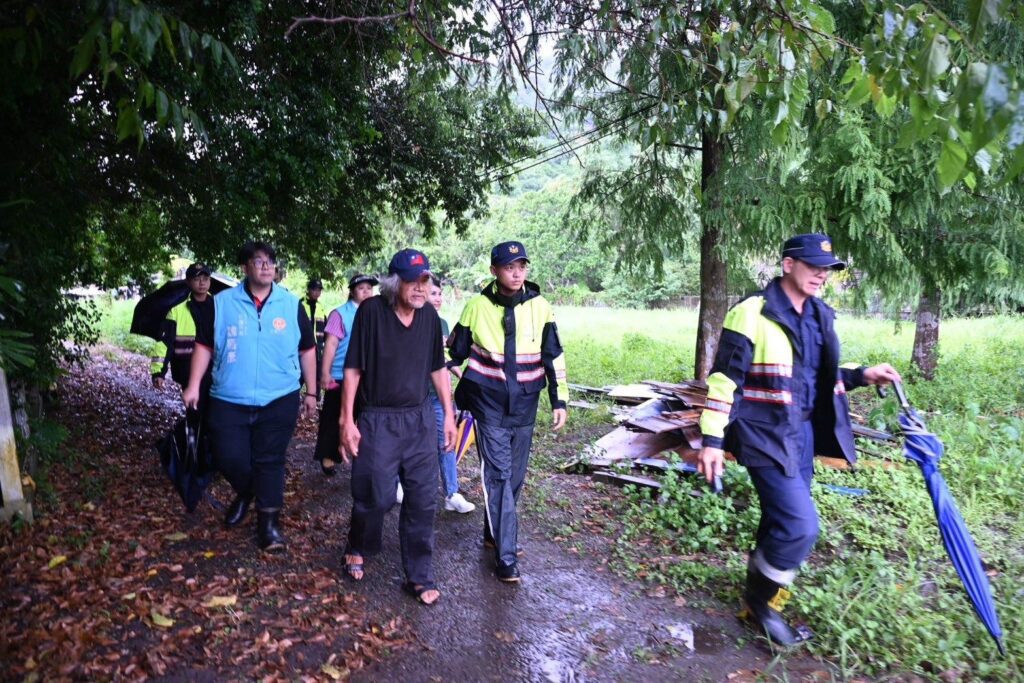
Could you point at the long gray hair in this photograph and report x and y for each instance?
(389, 285)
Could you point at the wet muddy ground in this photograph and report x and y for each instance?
(571, 619)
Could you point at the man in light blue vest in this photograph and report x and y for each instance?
(257, 339)
(337, 334)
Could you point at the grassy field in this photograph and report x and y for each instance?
(878, 589)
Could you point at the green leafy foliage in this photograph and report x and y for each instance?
(134, 131)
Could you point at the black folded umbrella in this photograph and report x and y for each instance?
(150, 312)
(185, 458)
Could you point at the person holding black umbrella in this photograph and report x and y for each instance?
(257, 339)
(776, 397)
(174, 348)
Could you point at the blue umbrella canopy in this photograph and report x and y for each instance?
(925, 449)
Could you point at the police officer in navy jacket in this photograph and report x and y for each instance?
(777, 397)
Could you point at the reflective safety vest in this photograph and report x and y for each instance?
(176, 349)
(510, 369)
(347, 311)
(751, 409)
(318, 321)
(255, 354)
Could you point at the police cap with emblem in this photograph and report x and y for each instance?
(507, 252)
(814, 249)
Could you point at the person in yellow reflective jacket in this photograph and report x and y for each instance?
(776, 397)
(174, 350)
(508, 339)
(317, 319)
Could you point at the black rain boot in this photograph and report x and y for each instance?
(268, 531)
(237, 511)
(765, 599)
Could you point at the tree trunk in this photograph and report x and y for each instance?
(926, 333)
(714, 301)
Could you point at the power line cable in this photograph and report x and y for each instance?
(552, 157)
(559, 144)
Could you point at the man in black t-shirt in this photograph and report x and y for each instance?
(387, 421)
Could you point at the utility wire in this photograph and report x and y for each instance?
(560, 144)
(552, 157)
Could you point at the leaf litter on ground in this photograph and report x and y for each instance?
(115, 581)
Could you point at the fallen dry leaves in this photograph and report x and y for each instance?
(115, 581)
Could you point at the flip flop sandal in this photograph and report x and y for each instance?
(417, 592)
(352, 567)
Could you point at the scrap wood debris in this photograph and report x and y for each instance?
(662, 419)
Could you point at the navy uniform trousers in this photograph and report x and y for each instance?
(789, 521)
(504, 456)
(396, 444)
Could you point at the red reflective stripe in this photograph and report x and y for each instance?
(772, 369)
(752, 394)
(718, 406)
(527, 357)
(496, 373)
(530, 375)
(498, 358)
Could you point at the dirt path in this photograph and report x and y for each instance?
(140, 560)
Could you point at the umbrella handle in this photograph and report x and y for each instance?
(901, 396)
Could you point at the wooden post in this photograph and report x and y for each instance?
(10, 474)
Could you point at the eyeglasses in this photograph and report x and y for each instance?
(262, 264)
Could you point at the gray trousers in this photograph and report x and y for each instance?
(397, 444)
(504, 455)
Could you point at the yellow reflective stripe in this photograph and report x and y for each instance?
(745, 317)
(562, 391)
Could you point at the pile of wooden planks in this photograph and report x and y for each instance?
(666, 420)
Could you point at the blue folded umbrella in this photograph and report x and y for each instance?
(925, 449)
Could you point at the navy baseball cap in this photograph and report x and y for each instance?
(813, 248)
(195, 270)
(360, 279)
(507, 252)
(409, 265)
(315, 283)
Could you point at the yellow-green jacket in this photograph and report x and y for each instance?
(511, 349)
(175, 347)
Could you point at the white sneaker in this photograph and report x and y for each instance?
(457, 503)
(399, 495)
